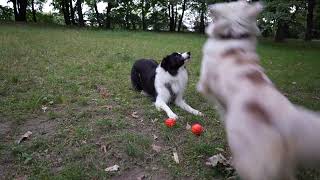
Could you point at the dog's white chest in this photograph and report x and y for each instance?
(177, 83)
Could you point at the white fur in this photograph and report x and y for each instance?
(261, 151)
(178, 84)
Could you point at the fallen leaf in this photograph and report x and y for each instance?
(102, 91)
(104, 148)
(135, 115)
(216, 159)
(141, 177)
(44, 108)
(109, 107)
(188, 126)
(156, 148)
(154, 120)
(51, 102)
(155, 137)
(24, 137)
(220, 149)
(175, 156)
(112, 168)
(294, 83)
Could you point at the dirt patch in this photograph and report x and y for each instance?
(5, 128)
(39, 126)
(141, 174)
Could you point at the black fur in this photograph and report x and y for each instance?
(143, 72)
(173, 62)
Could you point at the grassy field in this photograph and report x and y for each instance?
(82, 78)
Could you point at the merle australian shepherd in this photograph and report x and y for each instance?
(164, 82)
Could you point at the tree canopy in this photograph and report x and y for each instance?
(280, 19)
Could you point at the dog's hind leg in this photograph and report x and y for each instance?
(160, 104)
(135, 79)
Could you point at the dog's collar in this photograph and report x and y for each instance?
(230, 36)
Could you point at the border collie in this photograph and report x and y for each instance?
(164, 82)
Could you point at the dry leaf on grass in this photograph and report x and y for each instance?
(188, 126)
(102, 91)
(104, 148)
(154, 120)
(135, 114)
(175, 156)
(108, 107)
(44, 108)
(218, 159)
(156, 148)
(220, 149)
(112, 168)
(155, 137)
(141, 177)
(24, 137)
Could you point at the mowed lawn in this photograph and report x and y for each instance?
(71, 88)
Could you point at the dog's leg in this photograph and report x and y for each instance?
(160, 104)
(183, 105)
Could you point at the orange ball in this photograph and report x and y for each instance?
(170, 122)
(197, 129)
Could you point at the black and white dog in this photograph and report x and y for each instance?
(164, 82)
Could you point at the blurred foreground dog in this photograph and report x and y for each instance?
(268, 136)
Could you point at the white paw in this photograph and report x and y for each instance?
(198, 113)
(173, 116)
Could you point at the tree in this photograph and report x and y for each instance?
(80, 15)
(93, 5)
(20, 10)
(309, 28)
(33, 11)
(182, 15)
(72, 13)
(171, 14)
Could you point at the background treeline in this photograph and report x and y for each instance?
(281, 19)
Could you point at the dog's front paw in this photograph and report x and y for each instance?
(198, 113)
(173, 116)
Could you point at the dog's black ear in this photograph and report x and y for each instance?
(165, 63)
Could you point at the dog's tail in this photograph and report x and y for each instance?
(135, 78)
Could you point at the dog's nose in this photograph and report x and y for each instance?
(189, 53)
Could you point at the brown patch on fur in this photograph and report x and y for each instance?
(255, 109)
(256, 77)
(241, 57)
(232, 52)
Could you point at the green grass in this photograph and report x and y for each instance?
(59, 68)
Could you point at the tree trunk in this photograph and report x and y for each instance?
(72, 13)
(175, 18)
(144, 25)
(14, 2)
(80, 15)
(280, 35)
(202, 16)
(65, 10)
(181, 18)
(108, 18)
(97, 13)
(171, 14)
(311, 6)
(127, 24)
(21, 9)
(33, 11)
